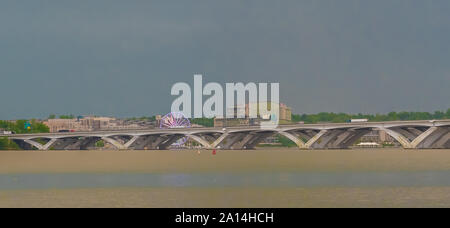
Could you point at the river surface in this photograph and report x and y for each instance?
(217, 180)
(259, 178)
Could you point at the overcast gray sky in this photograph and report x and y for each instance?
(120, 58)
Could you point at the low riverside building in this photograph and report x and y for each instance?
(56, 125)
(378, 136)
(93, 123)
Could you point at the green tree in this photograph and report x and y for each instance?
(100, 144)
(285, 142)
(392, 116)
(6, 144)
(438, 115)
(18, 126)
(206, 122)
(67, 116)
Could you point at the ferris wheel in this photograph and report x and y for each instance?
(175, 120)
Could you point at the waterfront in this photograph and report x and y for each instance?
(255, 178)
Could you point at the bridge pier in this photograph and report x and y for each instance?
(88, 142)
(432, 137)
(294, 137)
(171, 139)
(202, 140)
(241, 143)
(251, 144)
(303, 138)
(142, 142)
(323, 142)
(72, 143)
(436, 140)
(240, 140)
(444, 141)
(114, 142)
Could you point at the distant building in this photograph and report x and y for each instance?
(56, 125)
(285, 115)
(378, 136)
(285, 112)
(158, 120)
(272, 140)
(225, 122)
(385, 137)
(372, 136)
(93, 123)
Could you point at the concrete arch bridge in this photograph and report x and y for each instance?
(422, 134)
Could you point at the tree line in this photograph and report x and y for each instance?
(345, 117)
(392, 116)
(20, 126)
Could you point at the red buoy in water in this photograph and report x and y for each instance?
(214, 152)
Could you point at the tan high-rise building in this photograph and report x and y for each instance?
(285, 112)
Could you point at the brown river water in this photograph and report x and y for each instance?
(270, 177)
